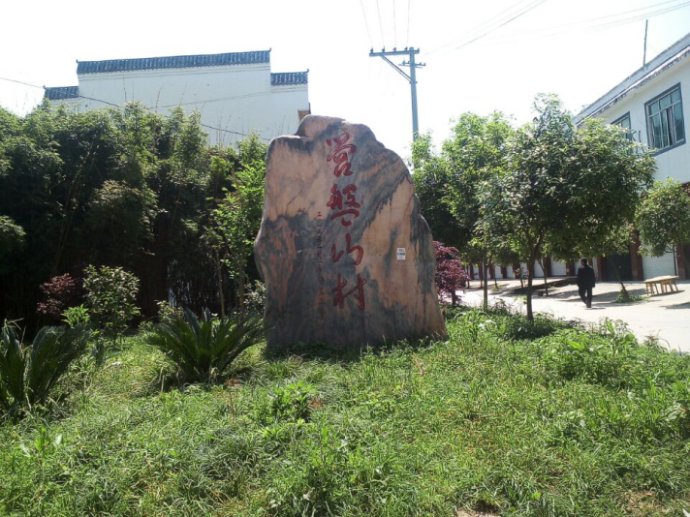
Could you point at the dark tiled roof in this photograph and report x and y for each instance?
(288, 78)
(61, 92)
(157, 63)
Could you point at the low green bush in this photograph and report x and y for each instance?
(203, 349)
(29, 373)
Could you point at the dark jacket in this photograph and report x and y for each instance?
(585, 276)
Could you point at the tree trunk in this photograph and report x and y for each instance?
(530, 276)
(617, 269)
(546, 282)
(219, 272)
(486, 283)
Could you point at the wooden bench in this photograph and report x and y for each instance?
(661, 285)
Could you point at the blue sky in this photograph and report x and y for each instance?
(480, 56)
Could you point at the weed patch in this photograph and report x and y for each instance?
(553, 420)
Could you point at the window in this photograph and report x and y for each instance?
(624, 122)
(665, 127)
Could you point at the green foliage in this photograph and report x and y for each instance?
(28, 374)
(121, 187)
(431, 177)
(255, 298)
(168, 312)
(236, 220)
(663, 218)
(12, 238)
(567, 192)
(510, 427)
(120, 218)
(203, 350)
(77, 316)
(624, 296)
(111, 294)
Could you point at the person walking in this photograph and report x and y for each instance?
(586, 281)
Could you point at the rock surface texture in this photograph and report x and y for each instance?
(344, 251)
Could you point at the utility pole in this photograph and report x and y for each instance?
(411, 78)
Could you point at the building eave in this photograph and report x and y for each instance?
(667, 59)
(173, 62)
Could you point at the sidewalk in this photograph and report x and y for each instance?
(666, 317)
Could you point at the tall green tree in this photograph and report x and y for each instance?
(663, 218)
(237, 218)
(118, 187)
(565, 190)
(447, 184)
(475, 153)
(431, 176)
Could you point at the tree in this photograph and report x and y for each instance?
(447, 184)
(431, 176)
(566, 190)
(475, 153)
(120, 187)
(11, 239)
(237, 218)
(663, 218)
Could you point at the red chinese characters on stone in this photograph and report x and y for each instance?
(350, 249)
(344, 207)
(341, 294)
(341, 154)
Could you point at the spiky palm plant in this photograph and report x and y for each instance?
(28, 373)
(203, 349)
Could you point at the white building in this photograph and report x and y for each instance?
(650, 105)
(235, 93)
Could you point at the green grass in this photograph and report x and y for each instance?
(504, 417)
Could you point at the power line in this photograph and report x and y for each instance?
(108, 103)
(494, 24)
(485, 24)
(407, 39)
(378, 12)
(19, 82)
(598, 23)
(602, 22)
(395, 27)
(366, 24)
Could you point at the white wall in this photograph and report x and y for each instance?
(675, 162)
(671, 163)
(558, 268)
(658, 266)
(233, 100)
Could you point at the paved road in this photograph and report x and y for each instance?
(666, 317)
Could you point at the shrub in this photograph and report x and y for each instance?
(203, 349)
(292, 402)
(449, 276)
(28, 374)
(608, 356)
(111, 298)
(76, 316)
(255, 297)
(168, 312)
(60, 292)
(624, 296)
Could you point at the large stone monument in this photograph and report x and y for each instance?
(344, 251)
